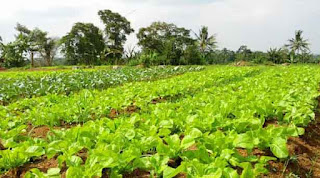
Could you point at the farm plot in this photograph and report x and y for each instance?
(220, 122)
(14, 86)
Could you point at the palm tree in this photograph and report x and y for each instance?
(298, 44)
(277, 56)
(206, 43)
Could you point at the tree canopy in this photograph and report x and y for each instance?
(83, 44)
(116, 30)
(207, 43)
(160, 43)
(155, 37)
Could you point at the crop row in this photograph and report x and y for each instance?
(49, 110)
(28, 86)
(197, 129)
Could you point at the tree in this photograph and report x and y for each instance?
(49, 49)
(305, 57)
(83, 44)
(2, 46)
(32, 38)
(243, 53)
(258, 57)
(155, 37)
(205, 42)
(13, 53)
(193, 56)
(298, 45)
(116, 29)
(165, 39)
(277, 56)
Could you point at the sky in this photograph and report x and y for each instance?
(259, 24)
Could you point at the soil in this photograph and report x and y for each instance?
(37, 132)
(114, 113)
(271, 121)
(158, 100)
(242, 63)
(42, 131)
(256, 152)
(137, 174)
(304, 158)
(181, 175)
(66, 125)
(43, 164)
(174, 163)
(83, 154)
(131, 109)
(304, 152)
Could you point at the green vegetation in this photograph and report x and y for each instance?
(160, 43)
(14, 87)
(83, 44)
(194, 125)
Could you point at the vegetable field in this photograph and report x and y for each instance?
(218, 121)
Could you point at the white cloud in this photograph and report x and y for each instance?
(260, 24)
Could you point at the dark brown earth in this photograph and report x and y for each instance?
(137, 174)
(37, 132)
(158, 100)
(42, 131)
(83, 154)
(114, 113)
(43, 164)
(304, 152)
(304, 158)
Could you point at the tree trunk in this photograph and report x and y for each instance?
(32, 62)
(48, 60)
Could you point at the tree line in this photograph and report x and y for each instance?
(160, 43)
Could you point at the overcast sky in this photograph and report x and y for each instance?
(259, 24)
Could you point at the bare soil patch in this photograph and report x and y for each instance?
(42, 131)
(114, 113)
(158, 100)
(138, 173)
(43, 164)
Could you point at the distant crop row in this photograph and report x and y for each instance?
(27, 86)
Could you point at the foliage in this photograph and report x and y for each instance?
(13, 53)
(27, 86)
(83, 44)
(298, 44)
(277, 56)
(200, 126)
(167, 40)
(243, 54)
(32, 39)
(221, 56)
(205, 42)
(49, 47)
(192, 56)
(116, 29)
(259, 57)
